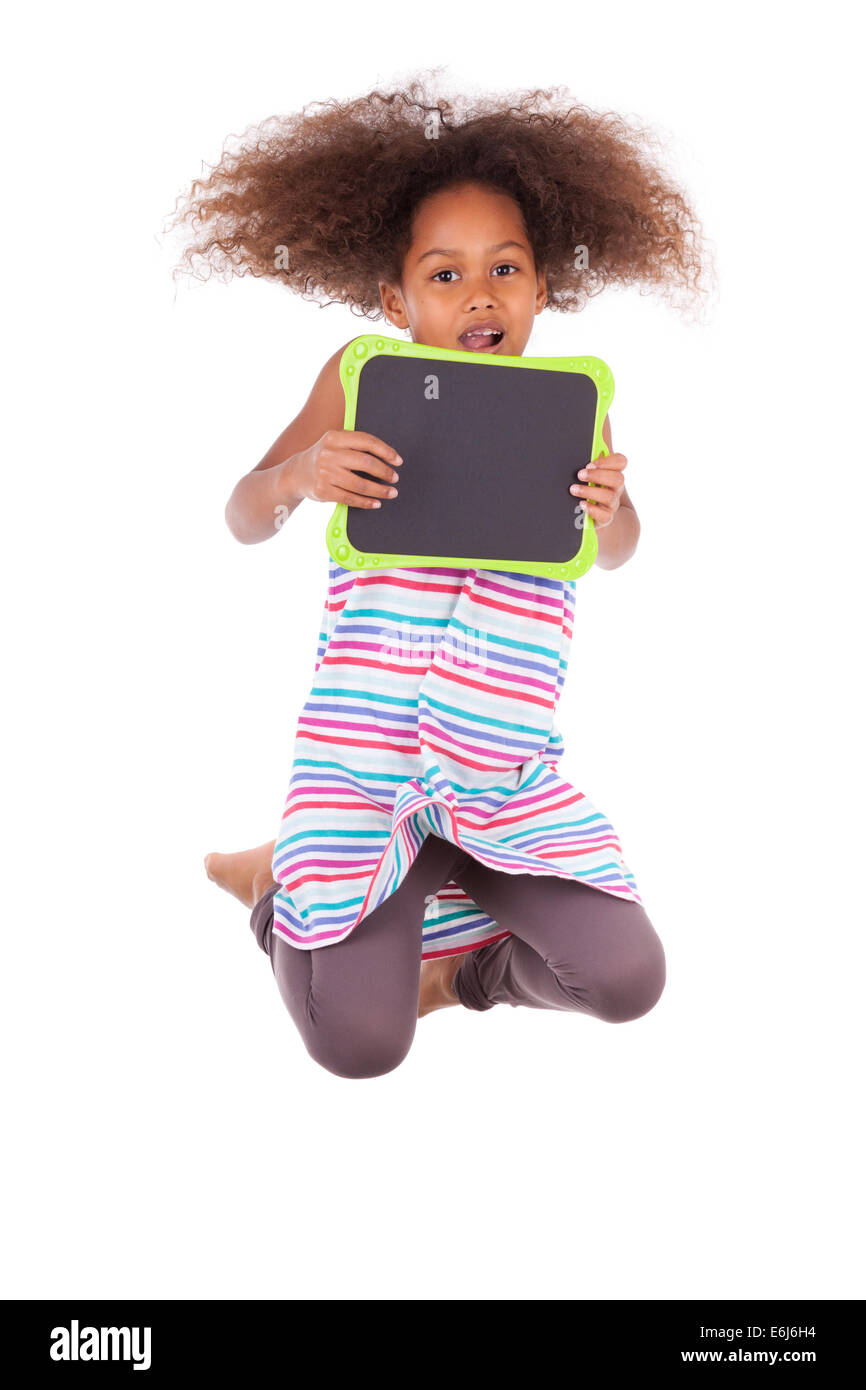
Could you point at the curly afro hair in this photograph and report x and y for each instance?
(323, 201)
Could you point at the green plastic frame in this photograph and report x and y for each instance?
(370, 345)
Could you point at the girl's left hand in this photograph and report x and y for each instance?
(606, 472)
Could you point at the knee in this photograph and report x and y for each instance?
(636, 985)
(356, 1055)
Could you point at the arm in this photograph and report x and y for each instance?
(618, 540)
(264, 497)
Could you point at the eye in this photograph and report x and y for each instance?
(506, 266)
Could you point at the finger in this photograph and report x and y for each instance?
(369, 443)
(598, 511)
(352, 499)
(609, 462)
(367, 463)
(592, 489)
(600, 478)
(353, 482)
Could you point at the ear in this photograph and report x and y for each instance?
(392, 305)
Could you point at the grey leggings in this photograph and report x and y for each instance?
(575, 948)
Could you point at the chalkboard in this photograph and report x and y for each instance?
(490, 447)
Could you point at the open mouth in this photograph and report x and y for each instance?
(481, 339)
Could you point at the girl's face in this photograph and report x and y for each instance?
(469, 267)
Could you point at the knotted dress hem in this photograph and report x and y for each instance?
(430, 801)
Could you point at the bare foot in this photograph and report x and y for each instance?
(245, 875)
(436, 977)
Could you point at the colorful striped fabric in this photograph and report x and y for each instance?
(432, 710)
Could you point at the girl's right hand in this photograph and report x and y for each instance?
(326, 471)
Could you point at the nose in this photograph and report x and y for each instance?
(481, 301)
(480, 293)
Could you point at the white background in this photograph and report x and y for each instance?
(166, 1133)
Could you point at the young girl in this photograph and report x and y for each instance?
(429, 852)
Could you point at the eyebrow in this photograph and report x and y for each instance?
(440, 251)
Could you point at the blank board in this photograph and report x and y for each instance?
(490, 447)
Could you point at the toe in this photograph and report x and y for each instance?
(210, 866)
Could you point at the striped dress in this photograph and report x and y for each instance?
(432, 710)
